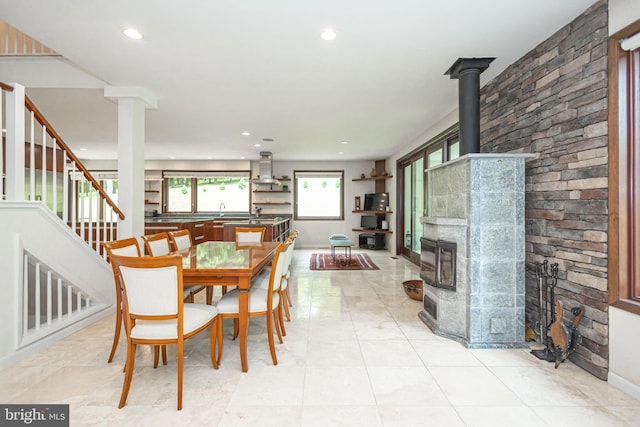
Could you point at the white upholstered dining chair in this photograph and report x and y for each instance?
(164, 243)
(154, 311)
(262, 302)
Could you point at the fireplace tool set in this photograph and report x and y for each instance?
(559, 339)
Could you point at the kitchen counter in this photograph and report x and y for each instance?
(215, 228)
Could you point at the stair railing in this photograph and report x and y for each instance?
(54, 174)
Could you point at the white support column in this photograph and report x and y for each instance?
(132, 102)
(15, 143)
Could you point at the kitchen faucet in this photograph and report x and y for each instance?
(222, 205)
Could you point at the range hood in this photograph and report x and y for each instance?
(265, 171)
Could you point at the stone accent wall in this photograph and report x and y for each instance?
(553, 103)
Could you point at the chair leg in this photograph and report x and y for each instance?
(164, 354)
(180, 361)
(236, 328)
(276, 320)
(220, 341)
(281, 319)
(128, 375)
(116, 334)
(287, 303)
(213, 338)
(272, 347)
(156, 355)
(288, 297)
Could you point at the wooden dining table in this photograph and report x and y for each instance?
(226, 263)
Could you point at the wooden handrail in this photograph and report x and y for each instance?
(6, 87)
(41, 119)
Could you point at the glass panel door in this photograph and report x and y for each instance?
(407, 208)
(417, 210)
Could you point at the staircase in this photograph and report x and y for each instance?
(54, 215)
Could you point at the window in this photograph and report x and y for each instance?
(207, 191)
(318, 195)
(624, 171)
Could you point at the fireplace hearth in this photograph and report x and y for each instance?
(473, 251)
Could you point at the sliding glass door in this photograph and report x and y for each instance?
(413, 196)
(413, 206)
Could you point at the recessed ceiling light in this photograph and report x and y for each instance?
(328, 34)
(340, 152)
(267, 139)
(344, 142)
(256, 145)
(172, 157)
(209, 158)
(132, 33)
(242, 157)
(83, 149)
(246, 133)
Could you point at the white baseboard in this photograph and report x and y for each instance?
(624, 385)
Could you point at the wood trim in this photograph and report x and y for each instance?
(613, 196)
(620, 254)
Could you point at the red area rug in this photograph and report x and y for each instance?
(358, 262)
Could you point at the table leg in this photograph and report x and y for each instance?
(243, 319)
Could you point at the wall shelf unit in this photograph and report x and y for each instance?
(374, 239)
(272, 195)
(374, 178)
(152, 193)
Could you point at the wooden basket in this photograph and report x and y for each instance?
(413, 289)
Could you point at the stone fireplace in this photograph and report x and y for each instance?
(476, 206)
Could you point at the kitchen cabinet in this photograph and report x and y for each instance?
(274, 230)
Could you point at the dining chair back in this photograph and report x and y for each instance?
(262, 302)
(123, 247)
(249, 235)
(180, 240)
(155, 314)
(157, 244)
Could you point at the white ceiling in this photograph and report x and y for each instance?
(219, 68)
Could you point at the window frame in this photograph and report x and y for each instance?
(624, 166)
(330, 174)
(194, 176)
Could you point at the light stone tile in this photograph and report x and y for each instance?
(496, 416)
(405, 386)
(507, 357)
(473, 386)
(337, 386)
(414, 415)
(334, 353)
(251, 416)
(270, 386)
(444, 352)
(585, 416)
(352, 415)
(378, 330)
(389, 353)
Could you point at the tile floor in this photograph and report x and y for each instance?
(355, 354)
